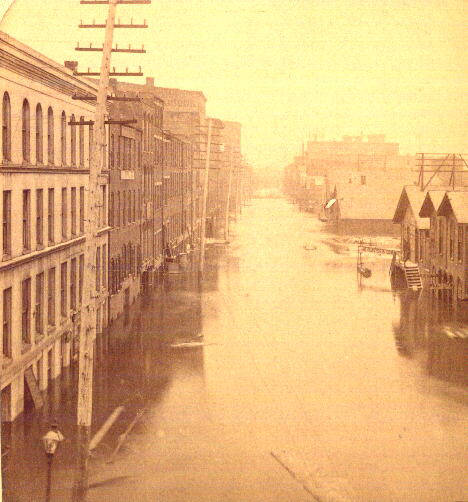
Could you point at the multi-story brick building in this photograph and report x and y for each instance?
(231, 169)
(178, 195)
(185, 117)
(44, 174)
(135, 160)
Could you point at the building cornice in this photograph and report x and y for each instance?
(36, 255)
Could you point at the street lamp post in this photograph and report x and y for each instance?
(51, 440)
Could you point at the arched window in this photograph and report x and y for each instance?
(124, 204)
(111, 210)
(39, 135)
(124, 260)
(63, 138)
(81, 139)
(50, 136)
(26, 131)
(111, 276)
(91, 143)
(73, 142)
(111, 152)
(117, 212)
(6, 127)
(139, 204)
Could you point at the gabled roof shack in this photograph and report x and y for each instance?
(456, 203)
(412, 197)
(431, 203)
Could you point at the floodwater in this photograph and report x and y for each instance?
(308, 385)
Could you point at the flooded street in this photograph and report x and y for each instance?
(359, 390)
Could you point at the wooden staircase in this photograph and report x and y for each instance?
(413, 276)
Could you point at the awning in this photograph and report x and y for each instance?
(330, 203)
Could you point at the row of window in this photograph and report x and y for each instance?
(128, 263)
(125, 208)
(75, 148)
(44, 208)
(36, 317)
(124, 152)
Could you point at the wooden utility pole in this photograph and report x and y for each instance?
(88, 311)
(228, 202)
(91, 229)
(205, 198)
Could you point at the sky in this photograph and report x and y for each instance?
(288, 70)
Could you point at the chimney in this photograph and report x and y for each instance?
(71, 65)
(149, 81)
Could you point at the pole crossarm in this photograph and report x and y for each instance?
(110, 121)
(119, 2)
(109, 98)
(128, 49)
(117, 25)
(113, 73)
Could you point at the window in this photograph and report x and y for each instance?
(117, 152)
(26, 311)
(82, 208)
(7, 322)
(111, 210)
(64, 213)
(50, 216)
(73, 141)
(6, 223)
(63, 289)
(26, 220)
(103, 218)
(117, 212)
(460, 243)
(63, 138)
(6, 127)
(39, 217)
(441, 234)
(81, 139)
(111, 151)
(451, 230)
(50, 136)
(51, 297)
(73, 210)
(122, 152)
(39, 135)
(26, 131)
(124, 206)
(90, 143)
(98, 268)
(104, 266)
(80, 277)
(39, 312)
(73, 284)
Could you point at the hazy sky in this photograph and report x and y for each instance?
(289, 69)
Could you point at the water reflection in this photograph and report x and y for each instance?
(435, 332)
(134, 367)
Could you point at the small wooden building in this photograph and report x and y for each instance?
(449, 242)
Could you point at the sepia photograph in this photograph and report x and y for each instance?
(234, 250)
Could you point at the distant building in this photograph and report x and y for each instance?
(353, 184)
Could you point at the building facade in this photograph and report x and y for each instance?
(44, 174)
(135, 161)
